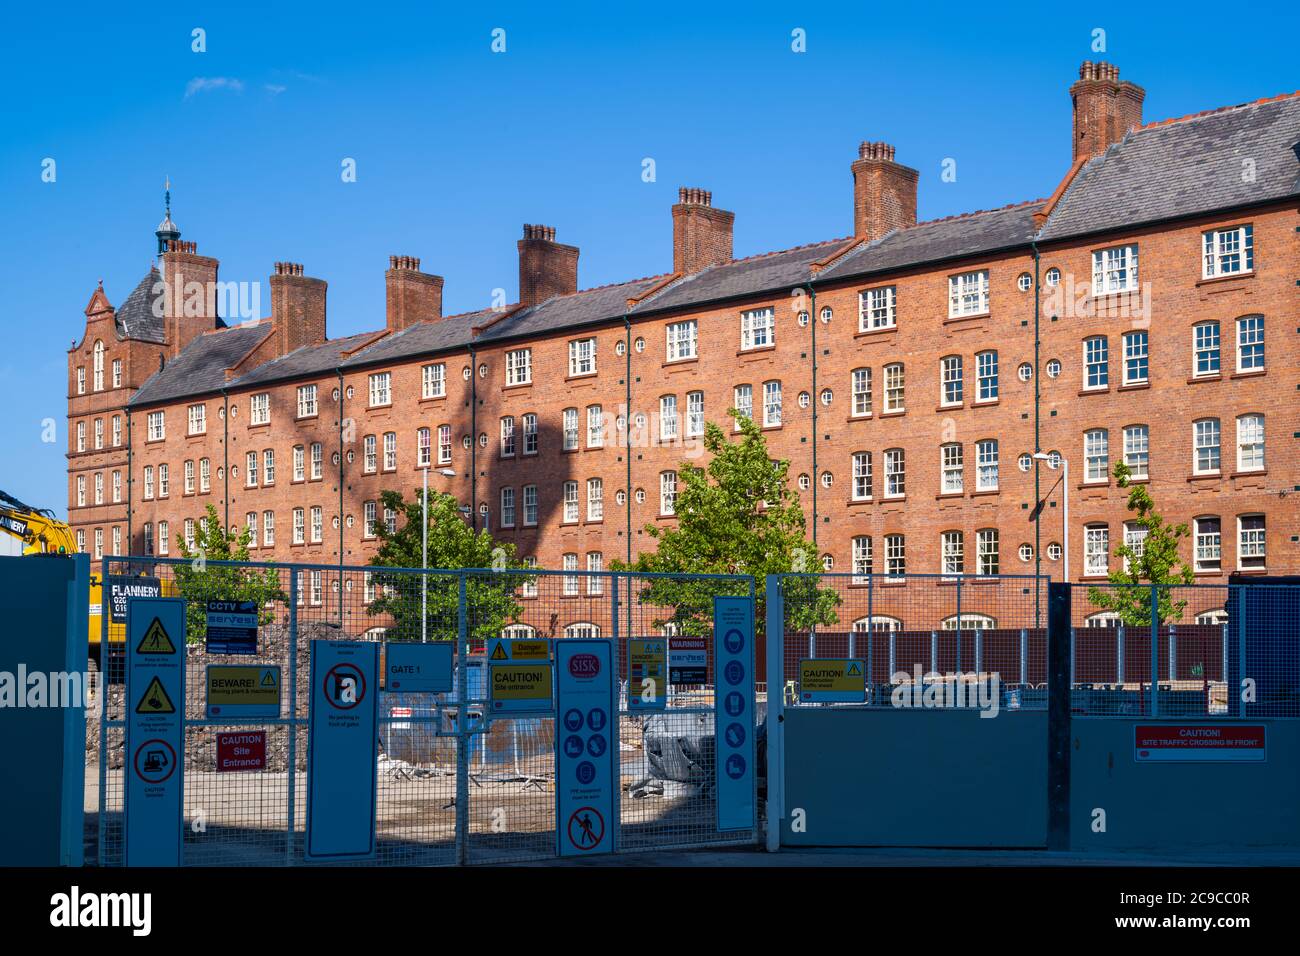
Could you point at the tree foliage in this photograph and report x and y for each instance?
(736, 515)
(1157, 563)
(490, 599)
(201, 580)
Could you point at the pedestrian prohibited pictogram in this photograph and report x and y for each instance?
(155, 700)
(155, 761)
(156, 640)
(586, 828)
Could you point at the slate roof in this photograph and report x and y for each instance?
(569, 311)
(1184, 167)
(940, 239)
(308, 360)
(422, 338)
(773, 270)
(201, 366)
(135, 316)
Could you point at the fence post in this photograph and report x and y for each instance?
(616, 824)
(462, 724)
(1243, 594)
(1119, 656)
(1024, 656)
(1173, 653)
(101, 692)
(893, 657)
(291, 827)
(1155, 652)
(934, 652)
(1060, 639)
(775, 637)
(958, 644)
(871, 630)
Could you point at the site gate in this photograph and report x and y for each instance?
(455, 784)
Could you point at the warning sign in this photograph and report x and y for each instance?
(519, 688)
(156, 640)
(501, 649)
(242, 750)
(1218, 743)
(834, 681)
(647, 674)
(243, 690)
(155, 700)
(688, 661)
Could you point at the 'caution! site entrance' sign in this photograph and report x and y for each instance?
(833, 681)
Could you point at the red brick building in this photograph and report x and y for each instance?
(1146, 311)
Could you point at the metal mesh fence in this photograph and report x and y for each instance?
(919, 630)
(455, 784)
(1224, 651)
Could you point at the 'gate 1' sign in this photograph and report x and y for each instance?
(243, 690)
(232, 627)
(423, 668)
(733, 663)
(585, 738)
(342, 741)
(833, 681)
(155, 744)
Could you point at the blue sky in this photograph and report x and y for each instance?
(456, 146)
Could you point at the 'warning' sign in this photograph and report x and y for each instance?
(519, 649)
(243, 690)
(833, 682)
(156, 640)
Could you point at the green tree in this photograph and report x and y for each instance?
(736, 515)
(200, 580)
(490, 598)
(1158, 563)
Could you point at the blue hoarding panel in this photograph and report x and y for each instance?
(341, 774)
(733, 656)
(585, 738)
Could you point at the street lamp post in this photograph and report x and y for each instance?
(1065, 504)
(424, 551)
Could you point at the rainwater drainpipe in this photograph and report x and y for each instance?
(812, 402)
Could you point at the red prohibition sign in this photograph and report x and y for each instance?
(151, 750)
(586, 828)
(339, 670)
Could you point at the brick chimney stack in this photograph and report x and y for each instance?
(701, 234)
(546, 268)
(297, 308)
(412, 296)
(189, 294)
(884, 192)
(1104, 108)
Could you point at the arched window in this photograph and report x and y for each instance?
(970, 622)
(877, 623)
(1102, 619)
(517, 631)
(1213, 616)
(582, 629)
(99, 366)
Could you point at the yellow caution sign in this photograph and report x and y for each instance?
(156, 640)
(519, 688)
(243, 690)
(647, 687)
(518, 649)
(833, 681)
(155, 700)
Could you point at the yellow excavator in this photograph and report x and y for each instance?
(36, 531)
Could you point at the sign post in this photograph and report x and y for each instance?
(155, 738)
(733, 657)
(342, 742)
(584, 746)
